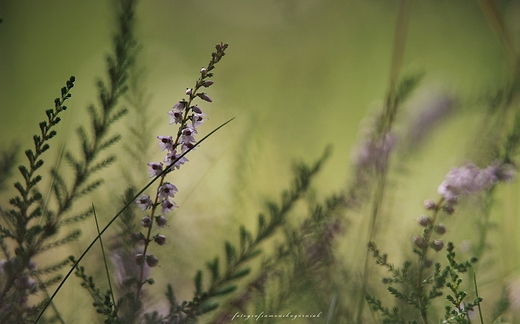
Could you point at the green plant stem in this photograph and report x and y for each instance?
(105, 262)
(147, 240)
(477, 296)
(422, 260)
(52, 304)
(384, 128)
(494, 18)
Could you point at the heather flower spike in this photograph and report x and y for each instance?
(188, 117)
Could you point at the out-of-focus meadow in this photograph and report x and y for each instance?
(298, 75)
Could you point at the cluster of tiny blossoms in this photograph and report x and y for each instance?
(463, 181)
(188, 117)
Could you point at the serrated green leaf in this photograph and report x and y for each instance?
(224, 290)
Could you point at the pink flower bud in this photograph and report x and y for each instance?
(204, 96)
(196, 109)
(161, 221)
(423, 220)
(189, 91)
(448, 209)
(437, 245)
(151, 261)
(207, 83)
(160, 239)
(440, 229)
(146, 221)
(429, 204)
(418, 241)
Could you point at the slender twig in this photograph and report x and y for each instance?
(477, 296)
(383, 129)
(490, 10)
(105, 262)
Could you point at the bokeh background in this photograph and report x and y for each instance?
(299, 75)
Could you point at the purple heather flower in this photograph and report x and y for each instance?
(167, 190)
(373, 153)
(144, 202)
(187, 135)
(26, 283)
(189, 91)
(180, 105)
(434, 108)
(151, 261)
(160, 239)
(160, 220)
(197, 119)
(146, 221)
(204, 96)
(187, 146)
(166, 142)
(155, 168)
(168, 206)
(175, 115)
(172, 156)
(469, 179)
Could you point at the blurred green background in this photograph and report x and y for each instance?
(299, 75)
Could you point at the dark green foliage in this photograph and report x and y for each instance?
(102, 302)
(7, 164)
(249, 247)
(414, 289)
(118, 66)
(458, 311)
(28, 238)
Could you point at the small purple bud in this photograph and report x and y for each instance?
(429, 204)
(440, 229)
(161, 221)
(151, 260)
(196, 109)
(448, 209)
(160, 239)
(437, 245)
(146, 221)
(203, 72)
(423, 220)
(189, 91)
(204, 96)
(418, 241)
(207, 83)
